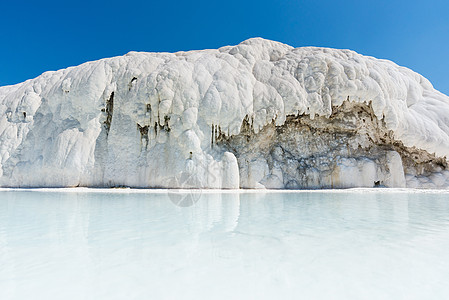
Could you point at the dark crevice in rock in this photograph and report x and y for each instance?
(143, 134)
(109, 111)
(165, 126)
(212, 136)
(158, 127)
(131, 83)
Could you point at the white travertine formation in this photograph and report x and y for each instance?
(168, 120)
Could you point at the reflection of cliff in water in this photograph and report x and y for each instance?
(94, 218)
(100, 242)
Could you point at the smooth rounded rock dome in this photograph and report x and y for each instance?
(260, 114)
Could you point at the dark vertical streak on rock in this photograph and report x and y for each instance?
(144, 134)
(109, 111)
(130, 85)
(212, 137)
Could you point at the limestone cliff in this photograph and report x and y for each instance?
(259, 114)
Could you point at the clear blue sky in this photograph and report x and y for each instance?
(37, 36)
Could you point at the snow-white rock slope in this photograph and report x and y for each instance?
(154, 119)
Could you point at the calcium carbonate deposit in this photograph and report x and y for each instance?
(257, 115)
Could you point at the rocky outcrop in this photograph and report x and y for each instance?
(260, 114)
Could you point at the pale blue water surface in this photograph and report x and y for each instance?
(167, 245)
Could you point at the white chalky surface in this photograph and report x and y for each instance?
(59, 130)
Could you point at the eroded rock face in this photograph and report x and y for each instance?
(352, 145)
(258, 114)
